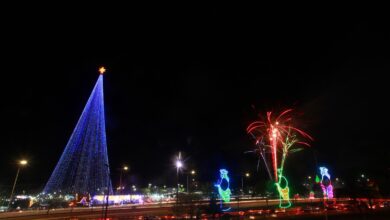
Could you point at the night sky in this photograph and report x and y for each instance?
(191, 82)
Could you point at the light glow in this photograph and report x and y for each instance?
(102, 70)
(281, 138)
(83, 166)
(179, 164)
(327, 187)
(224, 191)
(284, 192)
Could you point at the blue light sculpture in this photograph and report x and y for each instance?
(326, 183)
(223, 188)
(83, 166)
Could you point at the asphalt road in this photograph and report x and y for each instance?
(129, 211)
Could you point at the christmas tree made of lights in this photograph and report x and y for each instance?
(83, 167)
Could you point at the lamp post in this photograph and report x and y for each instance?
(21, 163)
(193, 172)
(179, 165)
(123, 169)
(108, 193)
(247, 175)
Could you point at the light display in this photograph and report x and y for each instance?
(261, 150)
(223, 187)
(311, 195)
(83, 167)
(317, 179)
(118, 199)
(277, 136)
(326, 183)
(284, 192)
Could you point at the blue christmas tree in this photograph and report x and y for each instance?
(83, 166)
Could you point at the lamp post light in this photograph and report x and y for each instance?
(105, 206)
(179, 165)
(123, 169)
(21, 163)
(247, 175)
(193, 172)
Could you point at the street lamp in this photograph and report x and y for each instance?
(21, 163)
(247, 175)
(179, 165)
(192, 173)
(124, 169)
(108, 191)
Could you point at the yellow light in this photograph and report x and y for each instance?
(125, 168)
(23, 162)
(193, 172)
(102, 70)
(247, 174)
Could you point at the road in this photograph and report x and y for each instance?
(156, 209)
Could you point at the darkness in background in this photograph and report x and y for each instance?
(191, 81)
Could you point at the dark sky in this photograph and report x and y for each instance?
(191, 81)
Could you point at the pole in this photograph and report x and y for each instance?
(106, 208)
(120, 182)
(177, 186)
(187, 184)
(13, 188)
(108, 193)
(238, 202)
(242, 184)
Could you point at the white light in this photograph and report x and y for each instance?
(179, 164)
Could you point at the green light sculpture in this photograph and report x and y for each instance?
(284, 192)
(224, 192)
